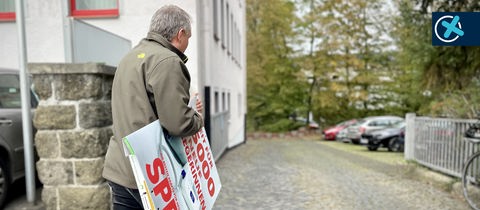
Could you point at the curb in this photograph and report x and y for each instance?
(27, 206)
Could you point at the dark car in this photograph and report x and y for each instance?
(390, 137)
(12, 165)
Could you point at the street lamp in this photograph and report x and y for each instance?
(311, 80)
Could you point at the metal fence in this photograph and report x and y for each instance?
(438, 143)
(219, 133)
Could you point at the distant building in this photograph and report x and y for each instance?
(79, 31)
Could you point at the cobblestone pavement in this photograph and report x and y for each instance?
(305, 174)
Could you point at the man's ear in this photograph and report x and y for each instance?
(177, 37)
(181, 33)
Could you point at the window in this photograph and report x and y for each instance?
(234, 41)
(94, 8)
(228, 101)
(222, 24)
(378, 123)
(7, 10)
(215, 20)
(9, 91)
(228, 31)
(231, 34)
(239, 47)
(217, 105)
(224, 105)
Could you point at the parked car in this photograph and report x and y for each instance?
(342, 135)
(331, 132)
(12, 165)
(311, 125)
(390, 137)
(368, 124)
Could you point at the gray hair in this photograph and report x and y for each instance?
(170, 19)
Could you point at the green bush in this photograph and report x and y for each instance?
(454, 104)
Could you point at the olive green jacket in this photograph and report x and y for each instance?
(151, 74)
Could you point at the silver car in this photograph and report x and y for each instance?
(12, 165)
(368, 124)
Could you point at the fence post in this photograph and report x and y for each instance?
(410, 136)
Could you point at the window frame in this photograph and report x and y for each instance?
(7, 16)
(227, 28)
(215, 21)
(93, 13)
(216, 102)
(222, 23)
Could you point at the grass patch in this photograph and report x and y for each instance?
(382, 154)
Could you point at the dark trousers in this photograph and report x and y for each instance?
(124, 198)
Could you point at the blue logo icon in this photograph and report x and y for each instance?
(455, 29)
(451, 28)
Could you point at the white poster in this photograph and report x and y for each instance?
(178, 174)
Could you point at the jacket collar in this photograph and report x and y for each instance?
(152, 36)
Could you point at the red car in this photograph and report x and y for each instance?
(331, 133)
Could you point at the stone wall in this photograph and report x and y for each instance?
(73, 122)
(300, 133)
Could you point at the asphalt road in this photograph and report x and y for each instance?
(306, 174)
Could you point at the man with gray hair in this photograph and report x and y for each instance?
(151, 82)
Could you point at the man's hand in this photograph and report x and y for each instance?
(199, 104)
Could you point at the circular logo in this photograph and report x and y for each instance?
(436, 29)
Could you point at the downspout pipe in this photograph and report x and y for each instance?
(26, 103)
(67, 31)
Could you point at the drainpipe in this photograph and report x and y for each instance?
(67, 32)
(202, 50)
(26, 107)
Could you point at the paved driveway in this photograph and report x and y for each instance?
(306, 174)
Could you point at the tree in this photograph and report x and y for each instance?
(346, 52)
(446, 72)
(273, 90)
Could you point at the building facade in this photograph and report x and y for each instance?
(82, 31)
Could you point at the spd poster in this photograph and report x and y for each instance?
(178, 174)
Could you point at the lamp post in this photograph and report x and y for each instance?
(311, 81)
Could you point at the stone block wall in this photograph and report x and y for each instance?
(73, 122)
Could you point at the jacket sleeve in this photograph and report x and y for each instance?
(170, 83)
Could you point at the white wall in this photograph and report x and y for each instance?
(8, 45)
(224, 75)
(44, 27)
(44, 35)
(134, 22)
(208, 63)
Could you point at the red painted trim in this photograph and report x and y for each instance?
(7, 16)
(92, 13)
(95, 13)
